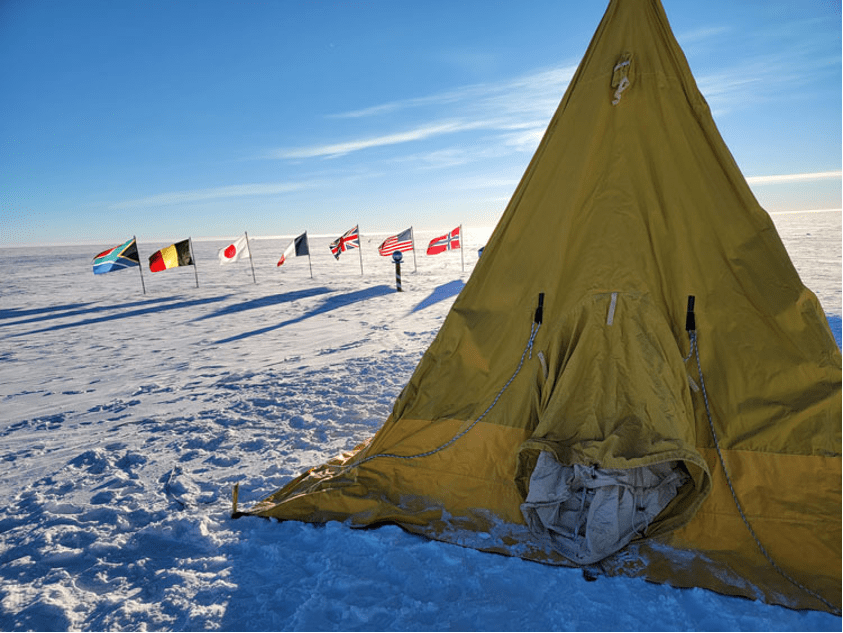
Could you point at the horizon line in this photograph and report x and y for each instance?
(213, 238)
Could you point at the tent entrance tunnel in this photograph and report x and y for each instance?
(623, 467)
(612, 424)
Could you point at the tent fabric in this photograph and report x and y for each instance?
(589, 512)
(631, 204)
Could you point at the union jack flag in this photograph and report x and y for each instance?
(349, 239)
(447, 242)
(401, 242)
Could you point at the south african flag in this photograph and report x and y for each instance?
(117, 258)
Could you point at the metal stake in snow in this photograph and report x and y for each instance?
(397, 257)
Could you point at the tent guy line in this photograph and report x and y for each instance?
(528, 350)
(695, 350)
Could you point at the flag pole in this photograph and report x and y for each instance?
(413, 238)
(251, 259)
(193, 257)
(462, 250)
(140, 266)
(360, 240)
(309, 261)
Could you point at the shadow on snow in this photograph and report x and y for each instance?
(440, 293)
(151, 309)
(73, 309)
(331, 303)
(14, 313)
(265, 302)
(836, 324)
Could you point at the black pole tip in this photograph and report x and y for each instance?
(540, 309)
(690, 319)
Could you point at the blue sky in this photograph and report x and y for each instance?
(169, 119)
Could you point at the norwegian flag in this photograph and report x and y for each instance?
(401, 242)
(349, 239)
(447, 242)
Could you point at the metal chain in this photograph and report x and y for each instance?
(529, 349)
(696, 351)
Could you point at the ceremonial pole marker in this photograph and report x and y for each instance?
(397, 257)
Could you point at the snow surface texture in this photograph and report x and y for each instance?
(127, 419)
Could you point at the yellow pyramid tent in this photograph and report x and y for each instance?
(634, 378)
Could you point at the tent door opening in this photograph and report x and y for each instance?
(588, 512)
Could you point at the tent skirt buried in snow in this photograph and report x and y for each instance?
(714, 550)
(604, 428)
(667, 515)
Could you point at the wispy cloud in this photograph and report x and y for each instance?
(414, 134)
(761, 74)
(443, 98)
(790, 178)
(520, 94)
(515, 112)
(445, 157)
(518, 109)
(702, 34)
(215, 193)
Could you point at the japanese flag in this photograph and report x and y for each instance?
(234, 251)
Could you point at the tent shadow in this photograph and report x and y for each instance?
(265, 302)
(835, 322)
(440, 293)
(149, 309)
(331, 303)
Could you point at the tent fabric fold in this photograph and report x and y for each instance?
(631, 204)
(589, 512)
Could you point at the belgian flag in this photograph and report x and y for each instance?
(177, 254)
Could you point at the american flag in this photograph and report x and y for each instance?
(445, 243)
(349, 239)
(401, 242)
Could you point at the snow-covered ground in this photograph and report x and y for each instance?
(125, 420)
